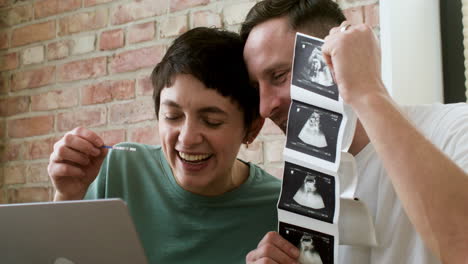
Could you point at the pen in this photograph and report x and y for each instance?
(119, 148)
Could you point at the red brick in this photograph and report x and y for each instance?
(4, 3)
(33, 78)
(123, 89)
(8, 61)
(54, 100)
(44, 8)
(141, 32)
(59, 50)
(84, 69)
(146, 135)
(136, 59)
(254, 153)
(173, 26)
(112, 39)
(107, 91)
(96, 93)
(16, 15)
(132, 112)
(177, 5)
(37, 173)
(138, 10)
(95, 2)
(10, 151)
(14, 105)
(2, 129)
(83, 22)
(88, 117)
(39, 149)
(270, 128)
(33, 33)
(354, 15)
(206, 19)
(28, 195)
(15, 174)
(31, 126)
(3, 40)
(4, 82)
(112, 137)
(371, 15)
(144, 86)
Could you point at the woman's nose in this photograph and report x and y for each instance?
(190, 134)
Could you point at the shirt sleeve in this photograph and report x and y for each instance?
(453, 134)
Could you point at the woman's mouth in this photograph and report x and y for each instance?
(193, 158)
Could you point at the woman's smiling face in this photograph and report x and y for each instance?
(201, 132)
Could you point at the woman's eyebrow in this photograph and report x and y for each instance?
(212, 109)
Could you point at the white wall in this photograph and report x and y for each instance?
(411, 50)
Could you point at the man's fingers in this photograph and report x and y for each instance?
(278, 241)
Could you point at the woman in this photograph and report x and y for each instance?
(191, 200)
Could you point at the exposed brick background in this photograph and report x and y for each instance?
(65, 63)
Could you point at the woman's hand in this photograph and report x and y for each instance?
(75, 163)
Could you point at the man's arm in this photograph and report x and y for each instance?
(431, 187)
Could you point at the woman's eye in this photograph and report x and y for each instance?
(213, 123)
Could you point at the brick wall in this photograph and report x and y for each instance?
(68, 63)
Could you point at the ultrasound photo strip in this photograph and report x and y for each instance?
(320, 127)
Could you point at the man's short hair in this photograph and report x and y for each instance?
(309, 16)
(214, 57)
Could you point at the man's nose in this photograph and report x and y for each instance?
(269, 100)
(190, 134)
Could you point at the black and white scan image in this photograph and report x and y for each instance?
(313, 131)
(314, 247)
(308, 192)
(310, 69)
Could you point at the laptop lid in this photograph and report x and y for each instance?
(72, 232)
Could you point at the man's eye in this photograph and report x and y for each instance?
(280, 78)
(171, 117)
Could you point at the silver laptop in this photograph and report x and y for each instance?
(78, 232)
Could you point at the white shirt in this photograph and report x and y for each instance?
(446, 126)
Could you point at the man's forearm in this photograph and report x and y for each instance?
(432, 188)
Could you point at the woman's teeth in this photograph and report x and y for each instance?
(193, 158)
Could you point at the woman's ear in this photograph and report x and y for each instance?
(254, 129)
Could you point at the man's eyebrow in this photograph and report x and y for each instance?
(274, 67)
(170, 103)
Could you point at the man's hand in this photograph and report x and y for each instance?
(273, 249)
(353, 56)
(75, 163)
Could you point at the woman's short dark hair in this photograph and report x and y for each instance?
(317, 16)
(214, 57)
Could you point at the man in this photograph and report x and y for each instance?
(412, 161)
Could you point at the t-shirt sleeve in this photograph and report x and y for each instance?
(453, 135)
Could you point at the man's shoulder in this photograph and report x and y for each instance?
(431, 116)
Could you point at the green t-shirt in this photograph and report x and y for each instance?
(177, 226)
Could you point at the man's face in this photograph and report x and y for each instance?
(268, 54)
